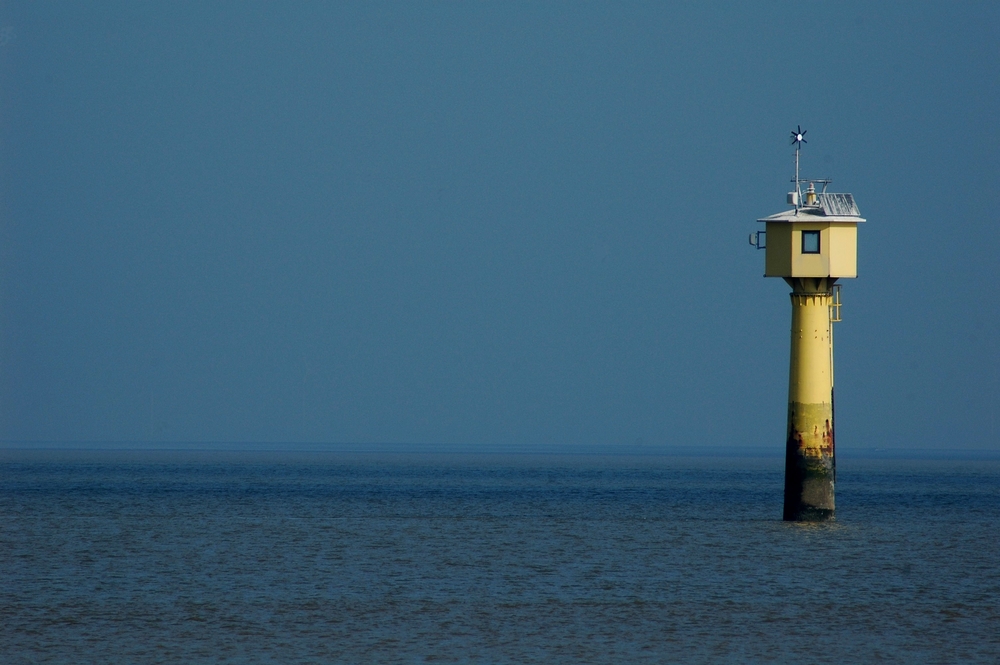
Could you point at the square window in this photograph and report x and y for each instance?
(810, 242)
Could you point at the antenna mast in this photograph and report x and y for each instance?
(798, 138)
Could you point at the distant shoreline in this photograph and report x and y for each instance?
(607, 450)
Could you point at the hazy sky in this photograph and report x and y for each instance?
(488, 223)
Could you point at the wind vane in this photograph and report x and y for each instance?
(799, 136)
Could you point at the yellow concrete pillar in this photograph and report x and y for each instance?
(810, 468)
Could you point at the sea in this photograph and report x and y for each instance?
(125, 556)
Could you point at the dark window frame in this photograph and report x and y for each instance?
(814, 234)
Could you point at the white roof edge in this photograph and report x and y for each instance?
(802, 216)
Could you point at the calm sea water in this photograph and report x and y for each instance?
(116, 557)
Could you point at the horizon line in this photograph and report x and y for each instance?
(607, 449)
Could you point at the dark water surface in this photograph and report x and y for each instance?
(119, 557)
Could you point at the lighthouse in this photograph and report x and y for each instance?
(811, 246)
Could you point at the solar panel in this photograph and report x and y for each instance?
(842, 205)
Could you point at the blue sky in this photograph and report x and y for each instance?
(486, 224)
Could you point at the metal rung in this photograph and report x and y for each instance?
(835, 304)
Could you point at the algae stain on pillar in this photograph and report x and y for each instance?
(811, 246)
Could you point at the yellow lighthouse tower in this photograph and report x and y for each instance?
(811, 246)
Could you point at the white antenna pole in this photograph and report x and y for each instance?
(798, 190)
(798, 138)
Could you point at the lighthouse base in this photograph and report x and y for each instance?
(810, 466)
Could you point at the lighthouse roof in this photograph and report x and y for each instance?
(830, 207)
